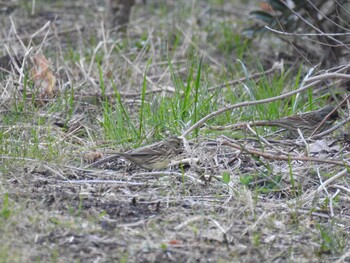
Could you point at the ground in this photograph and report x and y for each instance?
(239, 197)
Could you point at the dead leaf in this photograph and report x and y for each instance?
(44, 80)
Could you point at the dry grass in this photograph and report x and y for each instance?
(229, 203)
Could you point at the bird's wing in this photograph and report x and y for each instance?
(146, 151)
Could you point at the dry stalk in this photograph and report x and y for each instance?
(120, 183)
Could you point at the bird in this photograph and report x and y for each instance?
(156, 156)
(307, 122)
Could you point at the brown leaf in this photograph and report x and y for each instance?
(43, 77)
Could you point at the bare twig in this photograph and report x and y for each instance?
(305, 34)
(166, 173)
(121, 183)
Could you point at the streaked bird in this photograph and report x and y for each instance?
(307, 122)
(155, 156)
